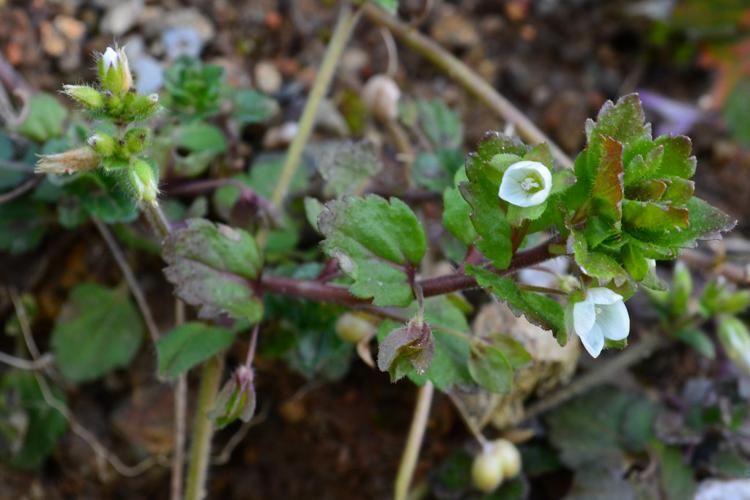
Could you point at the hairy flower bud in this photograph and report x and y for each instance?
(69, 162)
(136, 140)
(103, 144)
(114, 71)
(143, 180)
(88, 97)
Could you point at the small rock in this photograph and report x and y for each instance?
(156, 21)
(70, 27)
(280, 137)
(182, 41)
(149, 75)
(52, 42)
(714, 489)
(120, 17)
(267, 77)
(354, 60)
(453, 30)
(329, 118)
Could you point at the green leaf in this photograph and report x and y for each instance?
(484, 170)
(45, 118)
(97, 331)
(698, 340)
(648, 216)
(595, 264)
(513, 350)
(450, 359)
(44, 424)
(390, 6)
(538, 309)
(490, 368)
(22, 225)
(197, 144)
(624, 122)
(375, 243)
(347, 166)
(456, 216)
(676, 160)
(251, 107)
(676, 476)
(596, 426)
(212, 267)
(736, 112)
(436, 170)
(104, 196)
(192, 88)
(704, 223)
(635, 263)
(441, 125)
(188, 345)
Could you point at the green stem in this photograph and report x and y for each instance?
(344, 27)
(203, 429)
(414, 441)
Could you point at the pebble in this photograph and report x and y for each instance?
(267, 77)
(280, 137)
(149, 74)
(182, 41)
(121, 16)
(453, 30)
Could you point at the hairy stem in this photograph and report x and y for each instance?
(203, 429)
(323, 292)
(344, 27)
(465, 77)
(414, 441)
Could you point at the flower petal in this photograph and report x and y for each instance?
(602, 296)
(593, 340)
(584, 317)
(614, 321)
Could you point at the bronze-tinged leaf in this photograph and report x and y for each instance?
(608, 190)
(651, 190)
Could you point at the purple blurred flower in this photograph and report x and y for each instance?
(677, 117)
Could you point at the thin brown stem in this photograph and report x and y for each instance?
(322, 292)
(130, 279)
(21, 189)
(467, 78)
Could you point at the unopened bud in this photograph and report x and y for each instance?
(381, 95)
(88, 97)
(142, 107)
(236, 400)
(143, 180)
(69, 162)
(135, 140)
(103, 144)
(114, 71)
(735, 339)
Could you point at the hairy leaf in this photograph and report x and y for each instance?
(188, 345)
(375, 243)
(98, 330)
(538, 309)
(212, 267)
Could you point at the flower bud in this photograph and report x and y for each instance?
(69, 162)
(103, 144)
(236, 400)
(486, 472)
(135, 140)
(114, 71)
(143, 180)
(381, 95)
(735, 339)
(88, 97)
(142, 107)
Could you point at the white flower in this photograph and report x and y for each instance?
(526, 184)
(602, 314)
(110, 58)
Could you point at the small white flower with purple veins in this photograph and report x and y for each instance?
(526, 184)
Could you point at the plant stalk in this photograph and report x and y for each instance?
(345, 25)
(414, 441)
(467, 78)
(203, 429)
